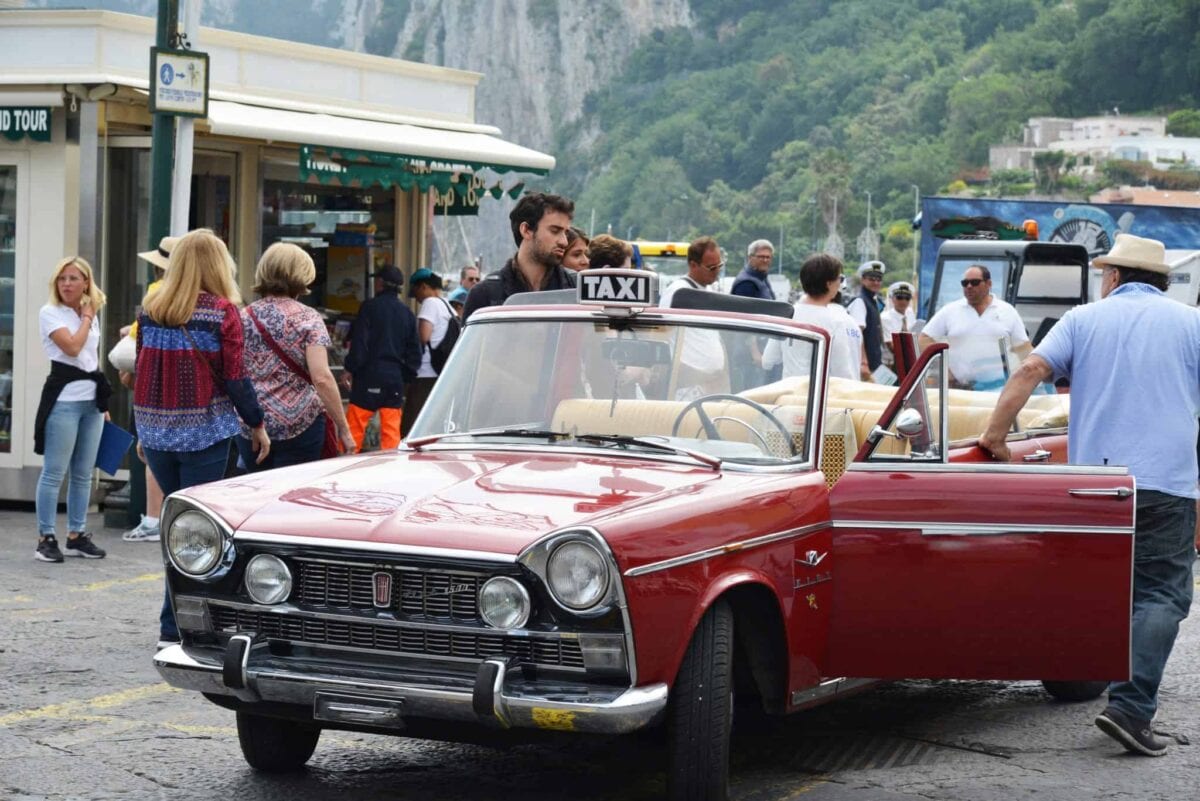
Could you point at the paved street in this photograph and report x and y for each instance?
(83, 715)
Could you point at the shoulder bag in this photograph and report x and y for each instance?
(330, 446)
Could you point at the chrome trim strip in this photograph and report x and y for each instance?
(375, 547)
(943, 529)
(392, 566)
(827, 688)
(292, 612)
(732, 547)
(604, 710)
(900, 466)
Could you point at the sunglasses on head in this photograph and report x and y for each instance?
(971, 281)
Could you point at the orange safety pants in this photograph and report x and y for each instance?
(389, 426)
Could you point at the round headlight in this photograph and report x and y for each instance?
(578, 575)
(194, 543)
(268, 579)
(504, 603)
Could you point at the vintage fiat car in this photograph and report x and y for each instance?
(607, 518)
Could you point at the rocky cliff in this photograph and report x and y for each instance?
(540, 58)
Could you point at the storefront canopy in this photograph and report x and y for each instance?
(413, 141)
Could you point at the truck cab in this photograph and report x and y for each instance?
(1042, 280)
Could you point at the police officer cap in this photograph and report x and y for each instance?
(900, 287)
(874, 266)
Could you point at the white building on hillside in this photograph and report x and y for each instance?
(1097, 137)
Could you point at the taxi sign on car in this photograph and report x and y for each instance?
(624, 288)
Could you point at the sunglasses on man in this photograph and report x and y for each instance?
(971, 282)
(902, 296)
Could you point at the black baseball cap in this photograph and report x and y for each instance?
(389, 275)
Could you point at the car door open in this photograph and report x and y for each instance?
(975, 570)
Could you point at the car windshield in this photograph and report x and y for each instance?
(644, 385)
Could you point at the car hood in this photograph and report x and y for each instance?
(491, 502)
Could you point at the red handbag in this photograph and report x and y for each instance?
(330, 447)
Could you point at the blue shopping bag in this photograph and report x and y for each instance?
(114, 444)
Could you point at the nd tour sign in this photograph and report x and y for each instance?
(17, 123)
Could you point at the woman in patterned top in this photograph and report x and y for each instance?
(297, 393)
(190, 376)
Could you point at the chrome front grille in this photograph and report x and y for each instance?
(411, 640)
(416, 592)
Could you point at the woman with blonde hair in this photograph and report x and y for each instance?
(74, 404)
(190, 375)
(286, 358)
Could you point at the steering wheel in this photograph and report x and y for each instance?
(710, 429)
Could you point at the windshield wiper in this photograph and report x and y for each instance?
(621, 440)
(531, 433)
(624, 440)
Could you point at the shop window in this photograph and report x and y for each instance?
(348, 231)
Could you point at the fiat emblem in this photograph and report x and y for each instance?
(383, 589)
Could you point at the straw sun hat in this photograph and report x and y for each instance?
(1136, 252)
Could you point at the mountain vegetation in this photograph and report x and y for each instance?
(778, 119)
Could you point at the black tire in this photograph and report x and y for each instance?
(1073, 691)
(273, 745)
(700, 712)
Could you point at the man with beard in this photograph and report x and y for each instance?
(539, 226)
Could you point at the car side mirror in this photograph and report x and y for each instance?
(909, 424)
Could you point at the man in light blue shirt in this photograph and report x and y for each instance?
(1133, 359)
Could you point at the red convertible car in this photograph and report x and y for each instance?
(606, 519)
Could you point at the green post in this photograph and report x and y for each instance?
(162, 164)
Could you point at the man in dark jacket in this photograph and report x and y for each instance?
(752, 282)
(539, 226)
(384, 356)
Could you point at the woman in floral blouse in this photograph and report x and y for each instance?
(286, 358)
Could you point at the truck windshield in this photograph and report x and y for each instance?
(949, 288)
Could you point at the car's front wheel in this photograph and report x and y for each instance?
(273, 745)
(1075, 690)
(700, 712)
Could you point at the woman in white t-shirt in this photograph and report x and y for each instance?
(821, 278)
(433, 320)
(74, 404)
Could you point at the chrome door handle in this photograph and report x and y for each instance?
(1114, 492)
(1038, 456)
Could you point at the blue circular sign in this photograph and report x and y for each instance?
(166, 74)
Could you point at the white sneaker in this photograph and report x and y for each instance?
(144, 532)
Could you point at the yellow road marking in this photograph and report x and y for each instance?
(105, 585)
(16, 599)
(78, 710)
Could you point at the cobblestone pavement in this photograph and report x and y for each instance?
(83, 715)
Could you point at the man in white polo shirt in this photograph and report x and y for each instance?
(974, 326)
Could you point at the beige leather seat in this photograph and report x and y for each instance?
(734, 421)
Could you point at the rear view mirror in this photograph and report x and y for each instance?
(636, 352)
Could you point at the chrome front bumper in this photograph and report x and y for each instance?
(493, 700)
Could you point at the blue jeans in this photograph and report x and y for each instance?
(176, 470)
(304, 447)
(1162, 592)
(72, 439)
